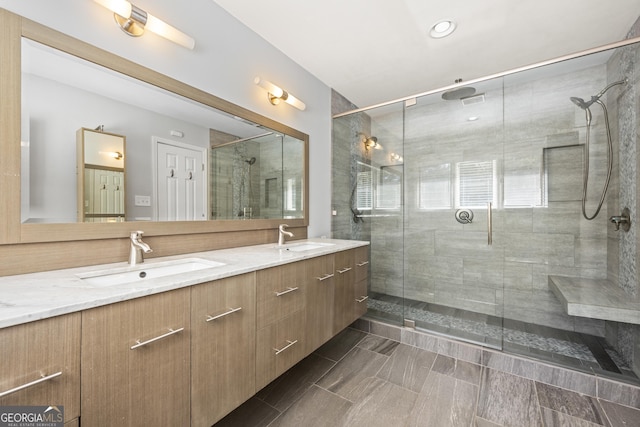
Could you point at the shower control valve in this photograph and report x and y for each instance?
(464, 216)
(623, 220)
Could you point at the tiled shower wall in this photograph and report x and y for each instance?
(536, 132)
(623, 257)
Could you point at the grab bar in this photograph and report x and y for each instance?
(489, 224)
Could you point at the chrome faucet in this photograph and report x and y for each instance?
(282, 233)
(623, 220)
(138, 248)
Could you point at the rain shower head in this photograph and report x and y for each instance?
(458, 93)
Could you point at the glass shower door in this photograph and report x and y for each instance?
(454, 158)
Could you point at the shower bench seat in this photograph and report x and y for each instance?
(595, 298)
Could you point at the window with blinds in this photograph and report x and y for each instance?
(434, 188)
(476, 184)
(364, 190)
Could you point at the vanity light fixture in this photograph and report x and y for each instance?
(276, 94)
(442, 28)
(134, 21)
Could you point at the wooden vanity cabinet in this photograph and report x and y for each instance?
(50, 349)
(135, 367)
(361, 287)
(223, 337)
(280, 340)
(344, 289)
(320, 279)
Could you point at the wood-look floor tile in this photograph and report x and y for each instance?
(408, 367)
(252, 413)
(553, 418)
(568, 402)
(284, 390)
(444, 401)
(619, 415)
(346, 377)
(379, 344)
(337, 347)
(459, 369)
(316, 408)
(380, 404)
(508, 400)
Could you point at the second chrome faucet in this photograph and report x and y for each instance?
(282, 233)
(137, 248)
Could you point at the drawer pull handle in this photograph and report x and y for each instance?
(325, 277)
(32, 383)
(363, 299)
(290, 343)
(344, 270)
(226, 313)
(168, 334)
(362, 264)
(279, 294)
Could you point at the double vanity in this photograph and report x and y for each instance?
(180, 340)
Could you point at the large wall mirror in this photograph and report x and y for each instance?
(185, 160)
(190, 156)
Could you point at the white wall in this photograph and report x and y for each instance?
(224, 62)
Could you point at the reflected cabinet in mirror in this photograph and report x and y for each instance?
(170, 174)
(100, 177)
(190, 156)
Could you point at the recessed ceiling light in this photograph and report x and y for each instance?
(442, 29)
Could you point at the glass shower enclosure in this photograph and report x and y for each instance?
(471, 198)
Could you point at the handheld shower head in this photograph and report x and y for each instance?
(586, 104)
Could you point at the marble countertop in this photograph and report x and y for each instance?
(29, 297)
(595, 298)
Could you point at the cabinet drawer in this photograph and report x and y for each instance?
(34, 351)
(136, 361)
(279, 346)
(360, 298)
(280, 292)
(362, 263)
(223, 347)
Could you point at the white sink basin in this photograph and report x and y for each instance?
(300, 247)
(140, 273)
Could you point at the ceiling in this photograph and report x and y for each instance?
(377, 51)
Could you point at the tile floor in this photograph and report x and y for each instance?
(362, 379)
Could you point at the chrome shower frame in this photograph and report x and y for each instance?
(603, 48)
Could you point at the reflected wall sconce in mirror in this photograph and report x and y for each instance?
(134, 21)
(113, 154)
(276, 94)
(371, 142)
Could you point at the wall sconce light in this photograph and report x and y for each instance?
(396, 157)
(276, 94)
(372, 143)
(134, 21)
(113, 154)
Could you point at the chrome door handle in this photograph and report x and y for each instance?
(290, 343)
(30, 384)
(226, 313)
(139, 344)
(279, 294)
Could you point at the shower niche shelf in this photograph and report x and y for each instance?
(595, 298)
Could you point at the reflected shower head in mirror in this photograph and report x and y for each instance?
(250, 161)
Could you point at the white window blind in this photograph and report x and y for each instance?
(434, 190)
(476, 183)
(364, 190)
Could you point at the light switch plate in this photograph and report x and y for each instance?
(143, 201)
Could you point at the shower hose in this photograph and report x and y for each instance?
(586, 163)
